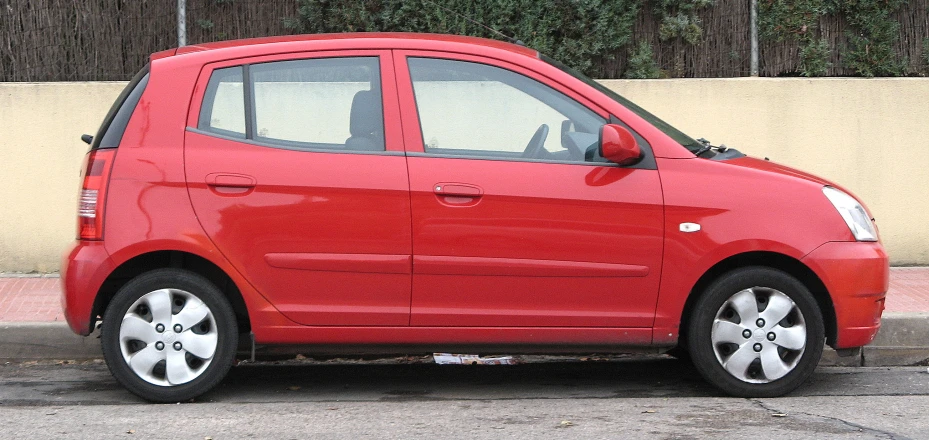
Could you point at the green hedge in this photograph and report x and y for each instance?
(585, 33)
(578, 33)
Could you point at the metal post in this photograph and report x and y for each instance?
(181, 23)
(754, 38)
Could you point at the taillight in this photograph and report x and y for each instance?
(96, 173)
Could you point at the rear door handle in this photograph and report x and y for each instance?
(457, 190)
(230, 180)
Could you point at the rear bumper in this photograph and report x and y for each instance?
(83, 269)
(857, 275)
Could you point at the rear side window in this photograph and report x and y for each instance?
(114, 124)
(320, 103)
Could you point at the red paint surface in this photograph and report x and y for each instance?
(327, 247)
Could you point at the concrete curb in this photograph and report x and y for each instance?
(25, 341)
(902, 341)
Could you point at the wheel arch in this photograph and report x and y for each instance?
(146, 262)
(774, 260)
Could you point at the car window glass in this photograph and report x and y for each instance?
(223, 109)
(678, 136)
(473, 109)
(332, 103)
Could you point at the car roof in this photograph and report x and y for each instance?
(348, 40)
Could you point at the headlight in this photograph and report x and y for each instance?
(853, 213)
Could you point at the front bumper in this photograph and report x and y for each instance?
(84, 268)
(857, 275)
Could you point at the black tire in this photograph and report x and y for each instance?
(804, 312)
(680, 353)
(220, 323)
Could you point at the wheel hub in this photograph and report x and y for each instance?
(168, 337)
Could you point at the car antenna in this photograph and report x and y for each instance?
(505, 36)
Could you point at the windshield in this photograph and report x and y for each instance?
(686, 141)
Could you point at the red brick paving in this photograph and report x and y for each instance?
(909, 290)
(30, 299)
(38, 299)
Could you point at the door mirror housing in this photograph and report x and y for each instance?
(618, 145)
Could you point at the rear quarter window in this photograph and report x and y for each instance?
(223, 110)
(114, 124)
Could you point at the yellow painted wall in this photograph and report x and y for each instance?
(868, 135)
(40, 161)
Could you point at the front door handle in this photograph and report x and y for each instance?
(457, 190)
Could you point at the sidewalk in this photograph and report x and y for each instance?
(32, 325)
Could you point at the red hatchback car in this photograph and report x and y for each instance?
(360, 192)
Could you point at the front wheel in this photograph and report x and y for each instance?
(169, 335)
(756, 332)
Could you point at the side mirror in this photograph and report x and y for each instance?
(618, 145)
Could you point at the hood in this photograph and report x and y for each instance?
(773, 167)
(784, 170)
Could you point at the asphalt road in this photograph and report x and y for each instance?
(629, 398)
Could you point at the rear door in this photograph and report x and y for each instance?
(296, 171)
(517, 220)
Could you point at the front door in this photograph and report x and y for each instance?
(517, 220)
(297, 174)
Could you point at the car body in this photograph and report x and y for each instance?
(361, 191)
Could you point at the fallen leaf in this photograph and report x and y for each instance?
(566, 423)
(649, 411)
(299, 357)
(778, 415)
(131, 431)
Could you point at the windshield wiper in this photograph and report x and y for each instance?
(707, 147)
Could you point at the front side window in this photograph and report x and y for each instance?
(478, 110)
(678, 136)
(320, 103)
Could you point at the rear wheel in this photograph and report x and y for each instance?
(756, 332)
(169, 335)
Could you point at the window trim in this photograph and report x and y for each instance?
(279, 146)
(514, 159)
(248, 94)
